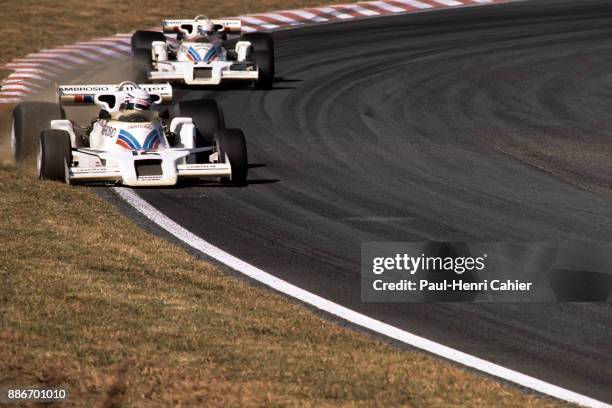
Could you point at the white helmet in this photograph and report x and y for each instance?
(205, 27)
(137, 99)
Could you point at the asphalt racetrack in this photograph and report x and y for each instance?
(474, 124)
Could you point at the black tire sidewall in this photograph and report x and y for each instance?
(55, 155)
(265, 65)
(144, 39)
(260, 41)
(29, 120)
(231, 142)
(207, 118)
(141, 64)
(141, 53)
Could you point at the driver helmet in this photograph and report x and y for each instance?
(137, 99)
(206, 28)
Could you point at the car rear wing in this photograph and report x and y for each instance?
(226, 26)
(108, 96)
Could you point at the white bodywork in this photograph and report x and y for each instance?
(193, 63)
(133, 153)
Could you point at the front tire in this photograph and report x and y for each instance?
(265, 66)
(29, 119)
(54, 155)
(231, 146)
(207, 118)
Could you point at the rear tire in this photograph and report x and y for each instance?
(207, 118)
(54, 155)
(231, 143)
(142, 59)
(263, 53)
(29, 119)
(260, 41)
(143, 39)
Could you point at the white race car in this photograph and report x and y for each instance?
(129, 143)
(195, 52)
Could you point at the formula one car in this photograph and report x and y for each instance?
(195, 52)
(129, 143)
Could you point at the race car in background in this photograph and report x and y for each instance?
(129, 143)
(196, 52)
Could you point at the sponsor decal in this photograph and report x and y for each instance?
(83, 89)
(160, 89)
(213, 53)
(140, 126)
(108, 131)
(231, 23)
(83, 99)
(111, 89)
(126, 140)
(199, 166)
(96, 170)
(150, 178)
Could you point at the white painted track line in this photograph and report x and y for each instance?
(198, 243)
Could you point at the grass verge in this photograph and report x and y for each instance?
(92, 303)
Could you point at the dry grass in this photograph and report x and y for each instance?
(92, 303)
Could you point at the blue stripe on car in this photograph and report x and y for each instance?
(150, 140)
(129, 139)
(194, 54)
(211, 53)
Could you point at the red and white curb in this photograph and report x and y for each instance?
(32, 72)
(37, 70)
